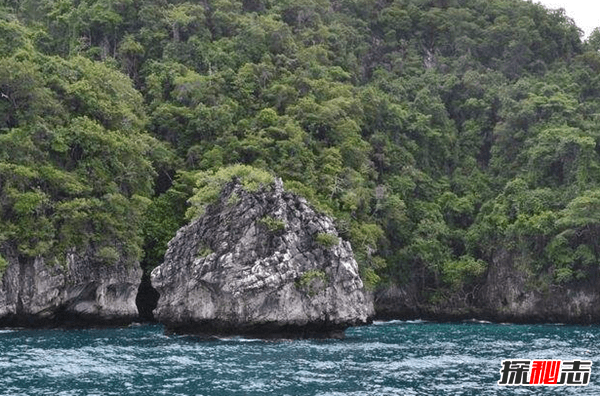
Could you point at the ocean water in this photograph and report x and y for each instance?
(386, 358)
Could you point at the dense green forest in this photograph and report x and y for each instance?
(435, 132)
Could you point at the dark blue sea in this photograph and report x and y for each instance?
(387, 358)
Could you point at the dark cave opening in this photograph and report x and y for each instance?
(146, 299)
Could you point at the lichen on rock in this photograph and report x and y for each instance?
(254, 281)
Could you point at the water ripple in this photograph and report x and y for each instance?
(388, 358)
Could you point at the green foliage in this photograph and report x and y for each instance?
(563, 156)
(326, 240)
(563, 275)
(272, 224)
(28, 202)
(370, 278)
(100, 92)
(309, 275)
(366, 236)
(437, 133)
(75, 166)
(461, 272)
(209, 185)
(582, 213)
(233, 199)
(13, 36)
(107, 255)
(164, 216)
(204, 251)
(3, 266)
(312, 281)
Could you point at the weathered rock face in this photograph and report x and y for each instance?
(509, 293)
(513, 294)
(255, 267)
(33, 293)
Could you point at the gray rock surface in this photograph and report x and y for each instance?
(510, 292)
(228, 272)
(82, 292)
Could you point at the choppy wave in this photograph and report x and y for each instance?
(388, 358)
(395, 322)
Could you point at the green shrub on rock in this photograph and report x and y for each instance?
(312, 281)
(3, 266)
(107, 255)
(327, 240)
(272, 224)
(211, 183)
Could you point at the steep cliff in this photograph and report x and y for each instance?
(512, 292)
(509, 292)
(81, 292)
(261, 263)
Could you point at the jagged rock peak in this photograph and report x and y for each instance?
(261, 263)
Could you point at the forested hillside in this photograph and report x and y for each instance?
(435, 132)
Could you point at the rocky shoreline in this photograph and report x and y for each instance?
(267, 265)
(508, 294)
(78, 293)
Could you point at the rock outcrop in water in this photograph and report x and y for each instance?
(82, 292)
(263, 264)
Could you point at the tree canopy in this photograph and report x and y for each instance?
(435, 132)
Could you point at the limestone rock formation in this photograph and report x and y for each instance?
(509, 293)
(264, 264)
(82, 292)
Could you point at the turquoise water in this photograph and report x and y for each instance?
(390, 358)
